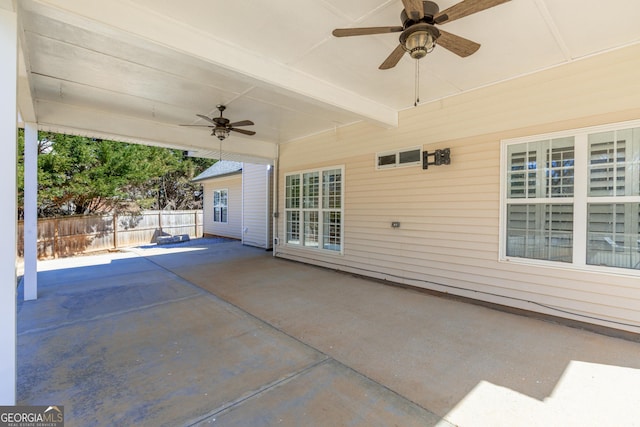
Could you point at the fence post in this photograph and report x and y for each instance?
(115, 230)
(56, 234)
(195, 222)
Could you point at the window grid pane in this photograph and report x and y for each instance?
(560, 169)
(293, 227)
(522, 172)
(606, 165)
(220, 205)
(332, 189)
(316, 222)
(310, 190)
(613, 236)
(292, 193)
(332, 231)
(543, 228)
(311, 229)
(540, 231)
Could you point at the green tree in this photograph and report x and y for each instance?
(78, 175)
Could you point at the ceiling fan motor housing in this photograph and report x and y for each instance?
(431, 9)
(419, 37)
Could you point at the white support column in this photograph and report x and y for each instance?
(8, 213)
(30, 211)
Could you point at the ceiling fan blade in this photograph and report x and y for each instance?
(365, 31)
(465, 8)
(456, 44)
(393, 59)
(241, 123)
(206, 118)
(414, 9)
(243, 131)
(202, 126)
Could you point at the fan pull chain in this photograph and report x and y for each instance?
(417, 94)
(220, 151)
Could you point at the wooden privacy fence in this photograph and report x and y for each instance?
(66, 236)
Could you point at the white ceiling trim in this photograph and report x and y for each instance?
(130, 18)
(553, 28)
(64, 118)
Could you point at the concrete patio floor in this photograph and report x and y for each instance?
(216, 333)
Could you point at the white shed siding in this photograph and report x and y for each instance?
(448, 238)
(257, 219)
(233, 227)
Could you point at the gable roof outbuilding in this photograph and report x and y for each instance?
(218, 169)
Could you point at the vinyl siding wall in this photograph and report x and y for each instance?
(256, 205)
(448, 238)
(233, 227)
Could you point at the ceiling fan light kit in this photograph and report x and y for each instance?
(221, 127)
(420, 39)
(419, 34)
(221, 133)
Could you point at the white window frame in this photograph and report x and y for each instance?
(221, 206)
(397, 163)
(580, 199)
(320, 210)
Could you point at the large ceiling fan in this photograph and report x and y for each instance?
(220, 126)
(419, 34)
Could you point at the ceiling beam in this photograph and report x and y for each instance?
(137, 21)
(26, 108)
(68, 119)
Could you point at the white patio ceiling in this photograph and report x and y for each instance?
(134, 70)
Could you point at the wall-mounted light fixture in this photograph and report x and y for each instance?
(436, 158)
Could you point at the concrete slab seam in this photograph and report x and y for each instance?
(240, 309)
(107, 316)
(176, 276)
(265, 388)
(327, 356)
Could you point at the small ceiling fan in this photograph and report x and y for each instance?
(220, 126)
(418, 32)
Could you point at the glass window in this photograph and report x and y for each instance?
(544, 203)
(540, 171)
(404, 157)
(220, 206)
(540, 231)
(313, 205)
(612, 235)
(411, 156)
